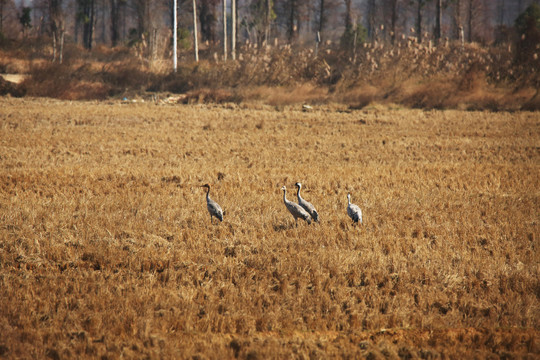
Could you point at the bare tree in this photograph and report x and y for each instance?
(208, 19)
(479, 17)
(56, 16)
(292, 17)
(115, 6)
(86, 15)
(371, 16)
(323, 10)
(348, 14)
(142, 10)
(105, 19)
(390, 11)
(2, 6)
(457, 26)
(9, 18)
(419, 14)
(393, 21)
(470, 12)
(438, 20)
(224, 30)
(259, 19)
(268, 20)
(25, 19)
(101, 20)
(501, 11)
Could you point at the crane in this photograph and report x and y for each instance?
(296, 210)
(306, 204)
(213, 207)
(354, 211)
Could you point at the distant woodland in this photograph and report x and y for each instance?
(295, 22)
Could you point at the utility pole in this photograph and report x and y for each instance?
(175, 36)
(233, 40)
(225, 30)
(317, 42)
(195, 35)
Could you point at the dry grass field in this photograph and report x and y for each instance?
(107, 251)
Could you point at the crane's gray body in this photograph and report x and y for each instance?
(213, 207)
(354, 211)
(296, 210)
(306, 205)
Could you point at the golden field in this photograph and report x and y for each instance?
(107, 251)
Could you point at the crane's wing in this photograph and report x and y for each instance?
(298, 212)
(355, 213)
(309, 208)
(214, 209)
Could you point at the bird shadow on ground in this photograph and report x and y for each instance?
(287, 226)
(283, 227)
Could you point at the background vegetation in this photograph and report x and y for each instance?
(358, 66)
(473, 77)
(106, 247)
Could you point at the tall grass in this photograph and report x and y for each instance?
(107, 248)
(415, 75)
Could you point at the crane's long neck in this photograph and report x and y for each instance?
(285, 196)
(207, 194)
(349, 199)
(298, 192)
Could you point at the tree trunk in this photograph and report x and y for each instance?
(2, 3)
(146, 21)
(54, 45)
(207, 17)
(322, 19)
(438, 21)
(61, 55)
(56, 17)
(348, 15)
(123, 28)
(470, 21)
(501, 12)
(291, 28)
(371, 19)
(420, 5)
(86, 14)
(103, 34)
(456, 19)
(154, 44)
(300, 16)
(114, 4)
(139, 8)
(224, 30)
(92, 24)
(267, 22)
(393, 22)
(76, 28)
